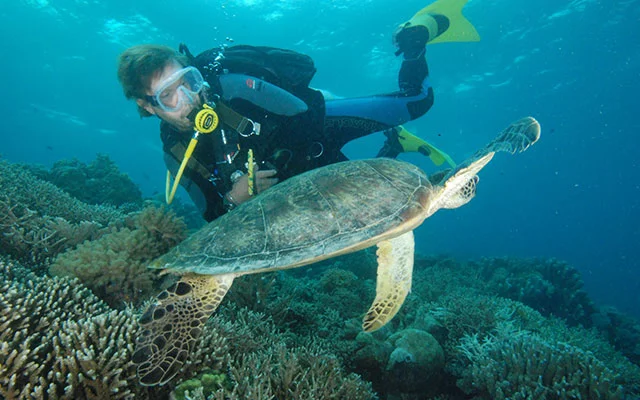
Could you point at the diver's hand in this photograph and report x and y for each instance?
(263, 180)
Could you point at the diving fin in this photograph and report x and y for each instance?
(454, 27)
(411, 142)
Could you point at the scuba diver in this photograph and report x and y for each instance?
(237, 120)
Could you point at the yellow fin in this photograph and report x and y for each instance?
(411, 142)
(460, 28)
(438, 157)
(172, 325)
(395, 270)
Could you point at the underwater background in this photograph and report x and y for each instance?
(573, 65)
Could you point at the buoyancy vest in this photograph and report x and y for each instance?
(290, 143)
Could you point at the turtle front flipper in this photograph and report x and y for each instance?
(171, 326)
(395, 269)
(459, 185)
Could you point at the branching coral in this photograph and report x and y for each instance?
(37, 325)
(265, 363)
(38, 220)
(59, 341)
(23, 188)
(28, 237)
(524, 366)
(114, 267)
(298, 373)
(482, 338)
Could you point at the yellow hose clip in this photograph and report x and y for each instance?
(206, 120)
(250, 173)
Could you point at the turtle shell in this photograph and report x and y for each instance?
(320, 214)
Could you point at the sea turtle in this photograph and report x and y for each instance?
(323, 213)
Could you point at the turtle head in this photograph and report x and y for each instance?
(459, 186)
(463, 195)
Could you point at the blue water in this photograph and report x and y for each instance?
(575, 66)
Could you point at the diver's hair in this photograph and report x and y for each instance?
(139, 64)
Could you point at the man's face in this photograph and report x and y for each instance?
(178, 118)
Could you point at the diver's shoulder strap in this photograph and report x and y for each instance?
(243, 125)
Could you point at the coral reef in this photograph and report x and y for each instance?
(59, 341)
(21, 187)
(38, 220)
(520, 365)
(416, 364)
(621, 330)
(268, 363)
(490, 328)
(114, 267)
(550, 286)
(100, 182)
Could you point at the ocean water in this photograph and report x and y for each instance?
(573, 65)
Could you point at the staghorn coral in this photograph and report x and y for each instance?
(21, 187)
(114, 267)
(37, 331)
(473, 322)
(33, 239)
(464, 312)
(520, 365)
(267, 363)
(38, 220)
(59, 341)
(298, 373)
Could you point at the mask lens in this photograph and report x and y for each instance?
(181, 86)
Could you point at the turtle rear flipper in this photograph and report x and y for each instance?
(171, 326)
(395, 269)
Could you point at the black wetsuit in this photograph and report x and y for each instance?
(293, 144)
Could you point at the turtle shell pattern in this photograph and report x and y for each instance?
(322, 213)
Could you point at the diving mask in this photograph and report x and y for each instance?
(180, 87)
